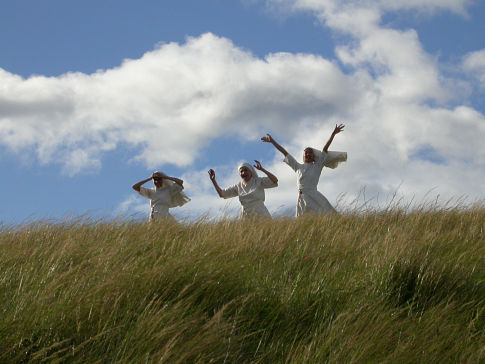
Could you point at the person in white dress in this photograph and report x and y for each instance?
(308, 173)
(166, 194)
(250, 190)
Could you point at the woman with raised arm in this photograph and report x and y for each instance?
(250, 190)
(166, 194)
(308, 173)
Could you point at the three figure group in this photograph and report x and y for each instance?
(168, 191)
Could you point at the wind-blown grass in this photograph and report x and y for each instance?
(374, 287)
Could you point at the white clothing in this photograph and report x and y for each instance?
(178, 198)
(254, 173)
(332, 159)
(307, 176)
(162, 198)
(251, 195)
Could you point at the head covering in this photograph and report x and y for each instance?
(332, 159)
(254, 182)
(254, 174)
(177, 199)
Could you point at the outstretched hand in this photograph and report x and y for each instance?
(338, 129)
(258, 165)
(267, 139)
(212, 174)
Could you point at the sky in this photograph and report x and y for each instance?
(96, 95)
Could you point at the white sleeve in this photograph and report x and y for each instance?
(146, 192)
(230, 192)
(266, 182)
(322, 159)
(292, 162)
(333, 159)
(175, 188)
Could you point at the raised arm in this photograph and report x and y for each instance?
(212, 176)
(270, 175)
(269, 139)
(138, 185)
(338, 129)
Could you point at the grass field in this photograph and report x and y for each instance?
(388, 287)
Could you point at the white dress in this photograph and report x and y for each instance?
(161, 199)
(251, 195)
(307, 177)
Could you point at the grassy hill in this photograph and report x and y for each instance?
(375, 287)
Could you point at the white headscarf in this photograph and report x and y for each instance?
(255, 181)
(254, 173)
(177, 199)
(332, 160)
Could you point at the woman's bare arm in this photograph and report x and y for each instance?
(269, 139)
(270, 175)
(338, 129)
(138, 185)
(212, 176)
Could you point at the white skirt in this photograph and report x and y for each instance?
(255, 209)
(312, 201)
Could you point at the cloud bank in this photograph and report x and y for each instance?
(168, 105)
(402, 132)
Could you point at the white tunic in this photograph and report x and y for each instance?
(160, 199)
(251, 195)
(307, 176)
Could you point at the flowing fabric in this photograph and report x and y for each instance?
(308, 175)
(177, 197)
(251, 194)
(332, 159)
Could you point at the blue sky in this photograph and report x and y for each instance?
(95, 95)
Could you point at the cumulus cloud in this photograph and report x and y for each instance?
(132, 207)
(474, 63)
(175, 100)
(167, 105)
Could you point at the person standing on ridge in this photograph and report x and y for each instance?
(250, 190)
(166, 194)
(308, 173)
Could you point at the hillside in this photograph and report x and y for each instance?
(376, 287)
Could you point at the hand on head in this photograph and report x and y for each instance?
(157, 175)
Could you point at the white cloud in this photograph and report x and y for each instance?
(169, 104)
(402, 67)
(474, 63)
(133, 206)
(428, 6)
(329, 7)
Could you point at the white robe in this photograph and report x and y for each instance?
(251, 195)
(307, 177)
(162, 198)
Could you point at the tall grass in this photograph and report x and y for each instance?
(375, 287)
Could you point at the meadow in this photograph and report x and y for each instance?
(393, 286)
